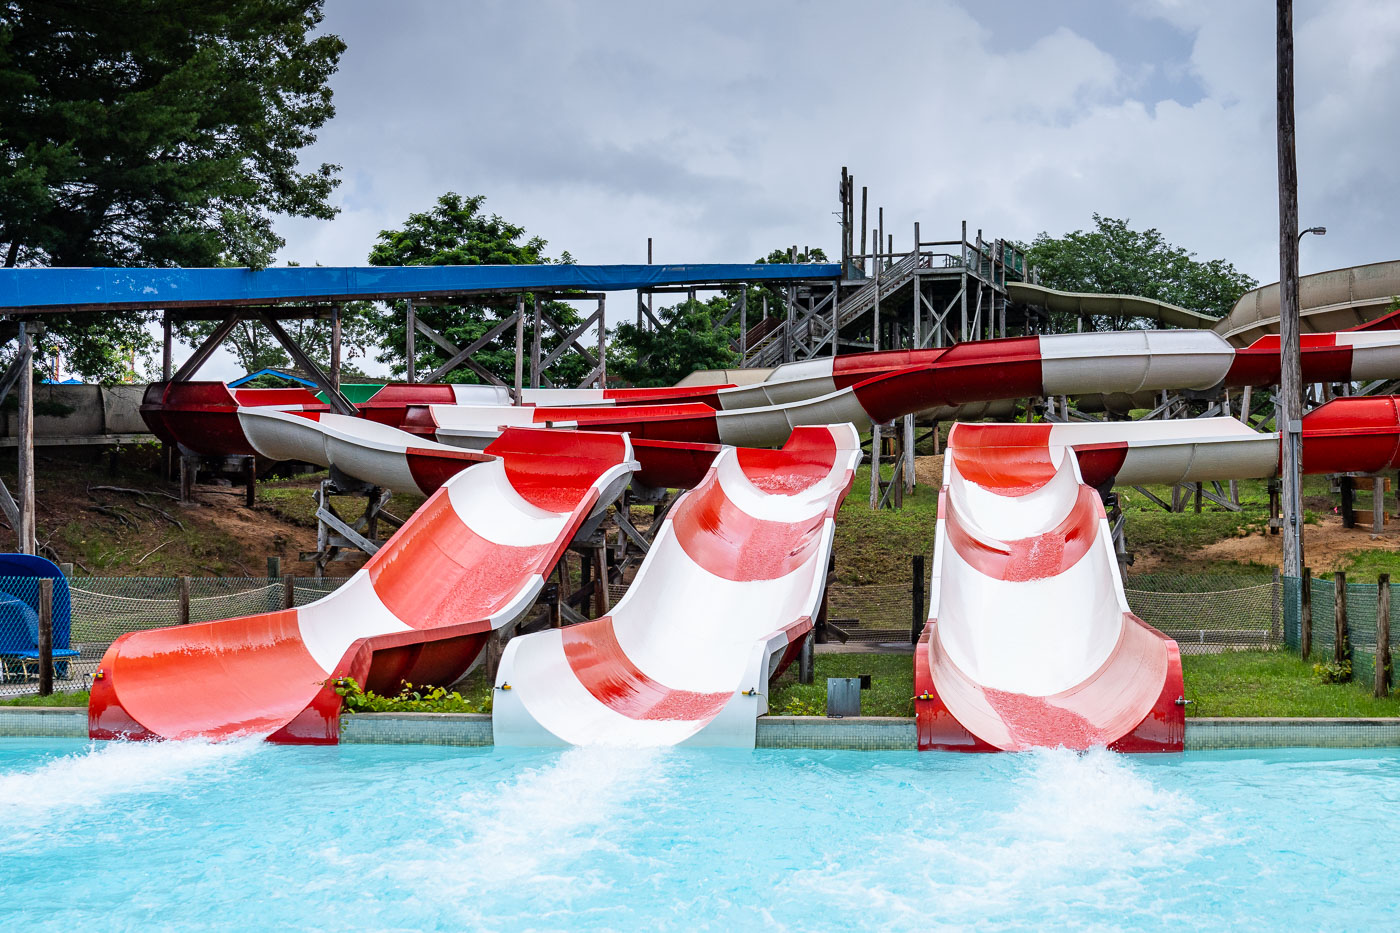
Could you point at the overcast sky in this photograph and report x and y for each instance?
(720, 128)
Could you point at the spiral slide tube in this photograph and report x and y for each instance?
(723, 599)
(472, 559)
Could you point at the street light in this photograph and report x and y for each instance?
(1320, 231)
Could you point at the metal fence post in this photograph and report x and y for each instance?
(45, 636)
(1341, 642)
(1305, 614)
(1383, 663)
(916, 625)
(289, 591)
(184, 600)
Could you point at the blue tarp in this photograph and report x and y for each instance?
(105, 288)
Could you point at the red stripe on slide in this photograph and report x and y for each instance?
(1322, 360)
(1013, 459)
(1100, 463)
(730, 543)
(1036, 558)
(214, 679)
(436, 571)
(432, 468)
(1346, 435)
(794, 468)
(606, 672)
(556, 470)
(857, 367)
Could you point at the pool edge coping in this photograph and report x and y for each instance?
(810, 732)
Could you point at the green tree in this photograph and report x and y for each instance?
(691, 337)
(694, 334)
(1115, 259)
(156, 132)
(457, 232)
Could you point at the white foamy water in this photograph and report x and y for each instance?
(1073, 831)
(77, 784)
(529, 845)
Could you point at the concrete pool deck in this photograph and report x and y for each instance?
(863, 733)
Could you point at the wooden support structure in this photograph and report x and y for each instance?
(289, 591)
(916, 626)
(184, 601)
(45, 636)
(25, 529)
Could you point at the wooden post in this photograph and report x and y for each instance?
(410, 353)
(1348, 486)
(45, 636)
(519, 385)
(874, 466)
(25, 445)
(335, 346)
(66, 568)
(1383, 661)
(1377, 504)
(250, 481)
(600, 576)
(909, 454)
(289, 591)
(184, 600)
(1198, 497)
(1289, 414)
(864, 211)
(274, 567)
(916, 627)
(535, 346)
(806, 660)
(835, 317)
(166, 357)
(1305, 614)
(743, 322)
(1341, 641)
(602, 341)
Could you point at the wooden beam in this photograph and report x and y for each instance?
(206, 349)
(338, 402)
(463, 355)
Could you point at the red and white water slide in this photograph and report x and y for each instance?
(472, 559)
(723, 600)
(1029, 640)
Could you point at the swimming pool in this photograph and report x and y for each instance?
(190, 835)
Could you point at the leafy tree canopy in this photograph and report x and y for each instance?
(1115, 259)
(456, 231)
(694, 334)
(156, 132)
(691, 337)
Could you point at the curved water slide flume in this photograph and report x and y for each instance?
(471, 560)
(1030, 641)
(722, 601)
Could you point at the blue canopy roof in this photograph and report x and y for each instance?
(116, 288)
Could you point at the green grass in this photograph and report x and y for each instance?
(77, 698)
(1237, 683)
(891, 690)
(1273, 683)
(875, 547)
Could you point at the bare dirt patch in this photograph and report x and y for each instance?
(1328, 545)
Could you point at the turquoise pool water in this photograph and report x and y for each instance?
(245, 835)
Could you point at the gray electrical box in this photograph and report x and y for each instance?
(842, 696)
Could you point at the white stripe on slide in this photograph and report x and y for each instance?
(331, 624)
(488, 504)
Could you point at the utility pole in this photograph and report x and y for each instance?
(1288, 412)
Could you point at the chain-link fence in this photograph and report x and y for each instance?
(89, 613)
(1362, 606)
(1204, 613)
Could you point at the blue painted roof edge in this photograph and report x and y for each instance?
(122, 288)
